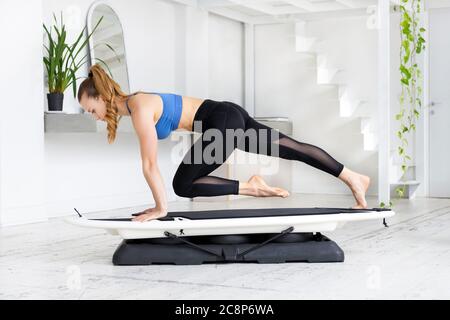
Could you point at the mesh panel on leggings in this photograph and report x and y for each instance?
(212, 180)
(307, 153)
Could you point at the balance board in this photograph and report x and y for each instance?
(232, 235)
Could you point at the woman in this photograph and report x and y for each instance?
(154, 116)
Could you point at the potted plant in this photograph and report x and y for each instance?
(62, 61)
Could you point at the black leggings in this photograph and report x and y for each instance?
(192, 178)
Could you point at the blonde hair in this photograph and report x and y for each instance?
(99, 83)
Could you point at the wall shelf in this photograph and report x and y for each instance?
(55, 122)
(65, 122)
(59, 122)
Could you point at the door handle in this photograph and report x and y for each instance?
(433, 103)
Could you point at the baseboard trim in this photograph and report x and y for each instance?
(23, 215)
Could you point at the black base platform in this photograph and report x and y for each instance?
(260, 248)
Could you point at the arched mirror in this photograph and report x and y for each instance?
(107, 45)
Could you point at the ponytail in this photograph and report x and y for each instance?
(99, 83)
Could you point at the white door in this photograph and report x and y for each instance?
(439, 108)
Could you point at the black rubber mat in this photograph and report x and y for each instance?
(252, 213)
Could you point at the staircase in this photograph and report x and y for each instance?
(351, 106)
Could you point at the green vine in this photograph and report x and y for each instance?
(412, 44)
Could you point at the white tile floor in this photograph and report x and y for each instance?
(410, 259)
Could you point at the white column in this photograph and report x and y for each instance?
(383, 100)
(197, 55)
(249, 75)
(22, 113)
(180, 49)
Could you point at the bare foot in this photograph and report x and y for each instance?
(359, 185)
(257, 187)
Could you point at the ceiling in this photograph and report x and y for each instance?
(267, 11)
(274, 11)
(280, 7)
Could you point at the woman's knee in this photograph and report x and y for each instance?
(181, 187)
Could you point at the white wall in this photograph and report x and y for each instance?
(226, 59)
(286, 85)
(168, 48)
(21, 123)
(149, 36)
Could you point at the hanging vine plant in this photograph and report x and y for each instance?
(412, 44)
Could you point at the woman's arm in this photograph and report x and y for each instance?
(145, 128)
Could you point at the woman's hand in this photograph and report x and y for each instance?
(150, 214)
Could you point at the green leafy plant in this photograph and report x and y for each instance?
(62, 60)
(412, 44)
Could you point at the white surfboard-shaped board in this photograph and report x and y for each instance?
(241, 221)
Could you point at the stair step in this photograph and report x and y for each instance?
(304, 44)
(410, 188)
(368, 124)
(408, 182)
(396, 174)
(326, 75)
(370, 142)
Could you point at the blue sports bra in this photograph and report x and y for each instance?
(170, 117)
